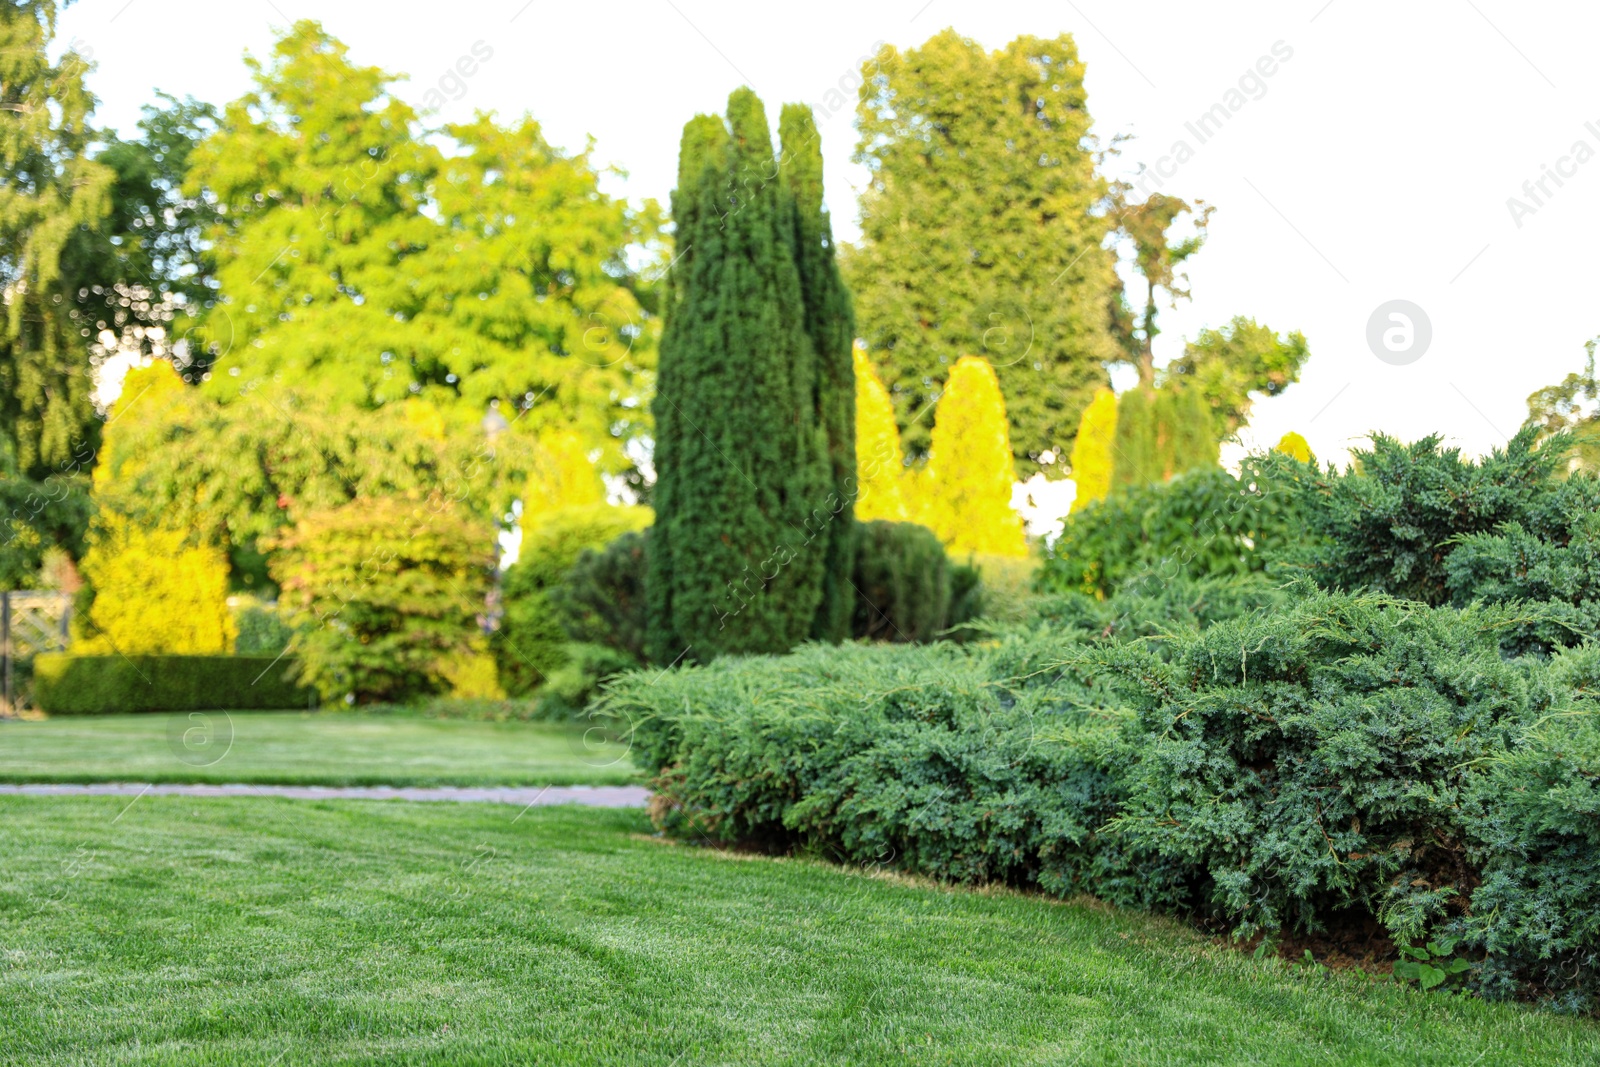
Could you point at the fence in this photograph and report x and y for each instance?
(30, 623)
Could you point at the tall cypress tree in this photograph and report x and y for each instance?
(741, 457)
(830, 323)
(1137, 456)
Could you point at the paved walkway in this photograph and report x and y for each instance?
(594, 796)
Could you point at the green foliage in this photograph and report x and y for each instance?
(49, 187)
(1137, 451)
(236, 474)
(1206, 522)
(385, 596)
(1314, 760)
(1534, 820)
(572, 686)
(1391, 522)
(1228, 366)
(970, 764)
(831, 325)
(68, 684)
(1160, 608)
(1569, 408)
(1184, 440)
(262, 630)
(144, 276)
(494, 271)
(1158, 258)
(601, 600)
(531, 643)
(1432, 965)
(902, 581)
(982, 228)
(740, 547)
(36, 516)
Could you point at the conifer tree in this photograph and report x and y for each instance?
(830, 323)
(49, 190)
(880, 465)
(1161, 433)
(736, 561)
(1183, 431)
(1136, 450)
(1093, 455)
(970, 470)
(1292, 444)
(983, 230)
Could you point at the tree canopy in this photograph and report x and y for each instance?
(360, 261)
(982, 231)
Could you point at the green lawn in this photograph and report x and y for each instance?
(264, 931)
(301, 748)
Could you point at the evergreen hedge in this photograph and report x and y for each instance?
(1333, 760)
(67, 684)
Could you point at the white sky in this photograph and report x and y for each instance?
(1377, 165)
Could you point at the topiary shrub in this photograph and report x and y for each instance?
(386, 596)
(531, 643)
(902, 580)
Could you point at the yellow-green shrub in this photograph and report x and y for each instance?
(879, 461)
(154, 591)
(1293, 445)
(1093, 451)
(386, 594)
(970, 471)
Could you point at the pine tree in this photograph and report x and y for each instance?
(880, 466)
(830, 323)
(970, 471)
(1093, 455)
(49, 189)
(1138, 460)
(736, 554)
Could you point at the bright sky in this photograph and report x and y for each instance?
(1374, 163)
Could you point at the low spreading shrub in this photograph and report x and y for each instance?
(972, 763)
(1149, 606)
(1313, 760)
(67, 684)
(1204, 523)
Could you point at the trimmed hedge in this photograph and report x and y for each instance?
(65, 684)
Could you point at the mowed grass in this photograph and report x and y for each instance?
(307, 748)
(263, 931)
